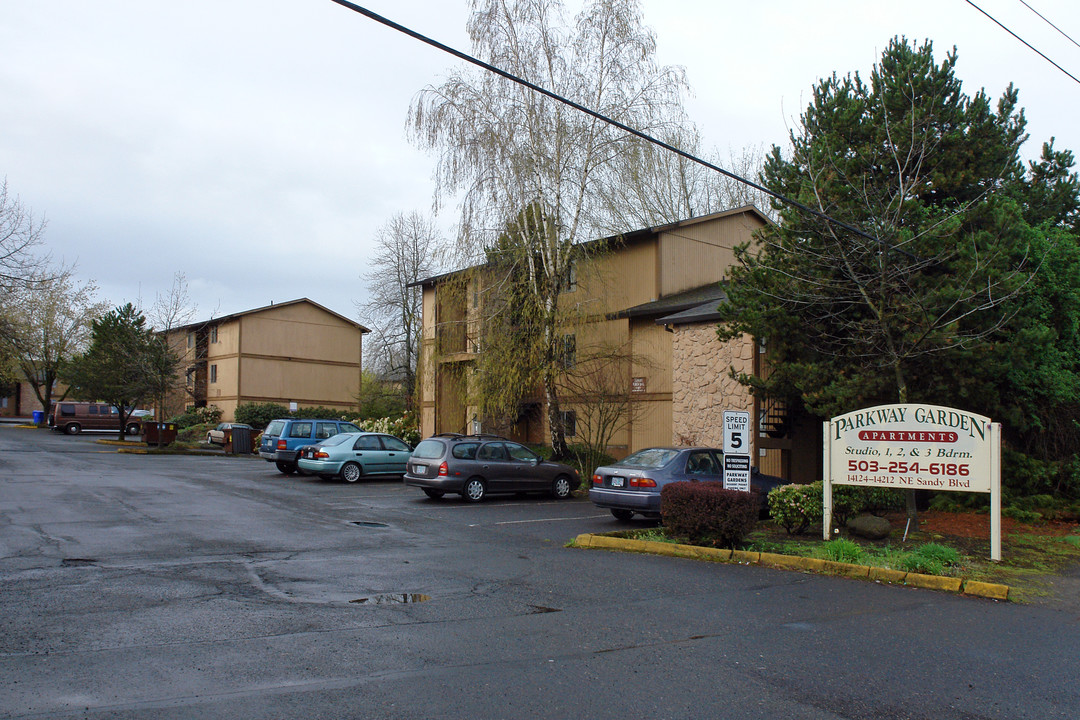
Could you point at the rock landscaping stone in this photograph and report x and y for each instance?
(870, 527)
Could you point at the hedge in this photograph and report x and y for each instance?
(706, 513)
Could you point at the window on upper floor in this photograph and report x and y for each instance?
(213, 373)
(213, 334)
(569, 358)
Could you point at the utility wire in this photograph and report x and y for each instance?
(626, 128)
(1032, 47)
(1045, 20)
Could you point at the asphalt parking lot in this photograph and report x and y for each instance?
(142, 586)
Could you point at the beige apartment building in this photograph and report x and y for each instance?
(293, 352)
(652, 292)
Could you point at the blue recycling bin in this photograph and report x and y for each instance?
(39, 417)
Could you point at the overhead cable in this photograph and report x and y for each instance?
(615, 123)
(1032, 47)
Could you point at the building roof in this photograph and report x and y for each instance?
(687, 306)
(628, 237)
(272, 305)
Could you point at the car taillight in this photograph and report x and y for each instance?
(282, 445)
(642, 482)
(443, 470)
(597, 480)
(320, 455)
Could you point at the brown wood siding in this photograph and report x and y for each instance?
(697, 254)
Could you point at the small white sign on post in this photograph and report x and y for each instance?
(736, 450)
(915, 447)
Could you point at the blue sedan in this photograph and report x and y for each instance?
(354, 455)
(633, 484)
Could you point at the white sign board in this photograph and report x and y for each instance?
(915, 447)
(737, 450)
(736, 432)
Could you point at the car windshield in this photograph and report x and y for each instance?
(651, 458)
(428, 450)
(335, 440)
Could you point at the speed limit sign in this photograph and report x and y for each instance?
(736, 432)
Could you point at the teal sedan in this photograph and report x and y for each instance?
(354, 455)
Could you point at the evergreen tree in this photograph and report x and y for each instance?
(126, 363)
(944, 295)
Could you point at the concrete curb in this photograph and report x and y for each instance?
(973, 588)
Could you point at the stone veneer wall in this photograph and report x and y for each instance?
(702, 388)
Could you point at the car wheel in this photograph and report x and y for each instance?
(622, 514)
(72, 428)
(134, 428)
(474, 490)
(561, 488)
(286, 468)
(351, 472)
(434, 494)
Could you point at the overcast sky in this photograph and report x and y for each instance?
(257, 146)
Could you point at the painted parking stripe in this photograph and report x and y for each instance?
(539, 520)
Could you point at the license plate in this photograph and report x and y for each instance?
(419, 469)
(618, 482)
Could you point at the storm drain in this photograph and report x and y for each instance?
(367, 523)
(77, 562)
(392, 599)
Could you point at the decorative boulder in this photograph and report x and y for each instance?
(871, 527)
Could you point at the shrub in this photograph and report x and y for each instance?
(794, 507)
(209, 415)
(259, 415)
(706, 513)
(848, 501)
(404, 427)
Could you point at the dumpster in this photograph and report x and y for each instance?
(39, 417)
(158, 433)
(238, 441)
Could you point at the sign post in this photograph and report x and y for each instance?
(915, 447)
(736, 445)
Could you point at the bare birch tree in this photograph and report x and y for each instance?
(508, 150)
(20, 234)
(408, 247)
(171, 310)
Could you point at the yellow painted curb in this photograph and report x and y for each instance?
(792, 562)
(986, 590)
(934, 582)
(795, 562)
(742, 556)
(886, 575)
(846, 569)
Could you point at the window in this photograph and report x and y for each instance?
(190, 340)
(325, 430)
(492, 451)
(569, 351)
(191, 377)
(67, 411)
(702, 463)
(464, 451)
(367, 442)
(392, 443)
(569, 423)
(300, 430)
(520, 452)
(571, 277)
(213, 334)
(92, 409)
(213, 373)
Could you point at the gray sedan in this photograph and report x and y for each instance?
(633, 484)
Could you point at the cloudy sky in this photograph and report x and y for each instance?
(257, 146)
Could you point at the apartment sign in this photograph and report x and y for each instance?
(914, 447)
(637, 385)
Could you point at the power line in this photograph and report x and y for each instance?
(615, 123)
(1032, 47)
(1044, 19)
